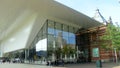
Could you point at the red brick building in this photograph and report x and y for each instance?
(90, 40)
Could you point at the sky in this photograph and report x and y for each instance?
(88, 7)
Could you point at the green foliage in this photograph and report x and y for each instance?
(106, 46)
(113, 36)
(58, 52)
(66, 50)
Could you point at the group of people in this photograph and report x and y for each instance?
(4, 60)
(15, 60)
(56, 62)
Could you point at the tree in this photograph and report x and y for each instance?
(112, 35)
(58, 52)
(65, 50)
(72, 51)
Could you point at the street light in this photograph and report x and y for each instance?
(115, 55)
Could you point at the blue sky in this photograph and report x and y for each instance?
(88, 7)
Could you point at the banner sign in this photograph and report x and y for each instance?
(95, 52)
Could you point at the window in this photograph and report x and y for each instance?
(51, 27)
(65, 30)
(58, 29)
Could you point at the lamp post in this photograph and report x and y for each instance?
(115, 55)
(77, 52)
(53, 54)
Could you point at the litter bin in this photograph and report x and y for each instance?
(98, 64)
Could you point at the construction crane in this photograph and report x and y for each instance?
(103, 19)
(94, 29)
(117, 24)
(110, 21)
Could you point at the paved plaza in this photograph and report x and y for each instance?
(88, 65)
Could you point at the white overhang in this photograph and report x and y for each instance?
(10, 10)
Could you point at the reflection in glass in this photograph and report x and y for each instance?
(42, 45)
(51, 31)
(65, 40)
(65, 30)
(58, 29)
(51, 27)
(53, 39)
(72, 40)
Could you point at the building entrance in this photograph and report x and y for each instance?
(83, 46)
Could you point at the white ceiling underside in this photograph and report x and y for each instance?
(11, 10)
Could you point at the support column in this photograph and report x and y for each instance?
(53, 54)
(25, 54)
(77, 52)
(1, 53)
(1, 50)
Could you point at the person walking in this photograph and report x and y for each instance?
(62, 62)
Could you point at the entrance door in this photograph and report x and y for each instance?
(84, 55)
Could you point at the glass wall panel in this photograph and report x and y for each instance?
(65, 30)
(54, 40)
(38, 48)
(72, 41)
(50, 41)
(51, 46)
(58, 29)
(51, 38)
(51, 31)
(65, 40)
(51, 27)
(71, 35)
(41, 48)
(44, 29)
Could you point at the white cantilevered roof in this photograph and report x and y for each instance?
(10, 10)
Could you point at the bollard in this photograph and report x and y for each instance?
(98, 64)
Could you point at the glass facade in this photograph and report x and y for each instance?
(54, 41)
(61, 40)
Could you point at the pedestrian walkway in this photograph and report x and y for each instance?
(86, 65)
(93, 65)
(16, 65)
